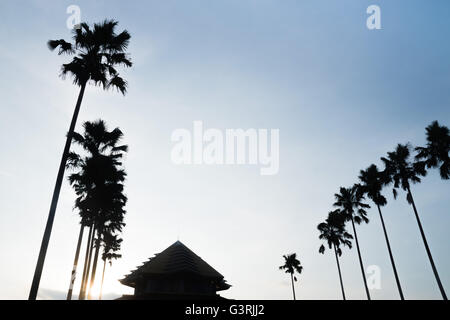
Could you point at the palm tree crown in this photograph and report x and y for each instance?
(97, 52)
(333, 232)
(436, 152)
(400, 170)
(372, 183)
(291, 264)
(350, 201)
(111, 245)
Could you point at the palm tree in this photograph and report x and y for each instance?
(349, 201)
(98, 185)
(333, 232)
(292, 265)
(111, 244)
(372, 183)
(401, 172)
(436, 152)
(97, 52)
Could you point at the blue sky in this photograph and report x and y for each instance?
(340, 94)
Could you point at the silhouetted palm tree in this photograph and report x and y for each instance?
(333, 232)
(97, 52)
(99, 186)
(292, 265)
(111, 244)
(349, 201)
(372, 183)
(436, 152)
(402, 172)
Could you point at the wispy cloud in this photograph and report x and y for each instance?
(50, 294)
(5, 174)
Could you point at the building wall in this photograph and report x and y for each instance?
(176, 285)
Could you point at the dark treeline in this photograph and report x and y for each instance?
(403, 167)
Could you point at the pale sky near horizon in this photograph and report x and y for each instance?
(340, 94)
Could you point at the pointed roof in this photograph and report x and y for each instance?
(175, 259)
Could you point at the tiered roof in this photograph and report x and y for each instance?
(175, 259)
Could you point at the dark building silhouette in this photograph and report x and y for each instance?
(176, 273)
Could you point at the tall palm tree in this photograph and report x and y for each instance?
(96, 52)
(372, 182)
(292, 265)
(98, 183)
(111, 244)
(436, 152)
(351, 205)
(333, 232)
(401, 172)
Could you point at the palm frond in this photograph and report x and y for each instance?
(64, 47)
(118, 83)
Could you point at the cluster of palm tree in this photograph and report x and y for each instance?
(98, 184)
(96, 51)
(292, 265)
(400, 172)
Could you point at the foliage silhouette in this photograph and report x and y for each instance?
(436, 152)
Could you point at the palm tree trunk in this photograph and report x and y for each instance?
(75, 263)
(430, 257)
(292, 281)
(82, 295)
(103, 278)
(85, 261)
(94, 265)
(391, 255)
(360, 260)
(339, 269)
(54, 203)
